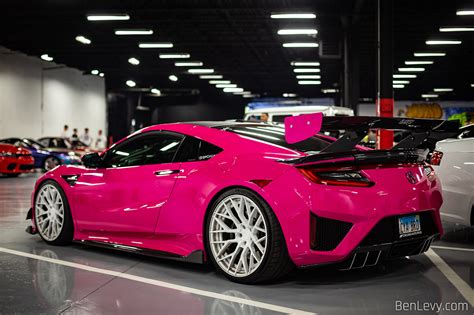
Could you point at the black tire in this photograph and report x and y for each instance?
(276, 261)
(51, 158)
(67, 232)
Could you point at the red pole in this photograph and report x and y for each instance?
(384, 137)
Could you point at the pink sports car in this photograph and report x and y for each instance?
(255, 199)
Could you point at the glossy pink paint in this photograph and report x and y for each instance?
(133, 207)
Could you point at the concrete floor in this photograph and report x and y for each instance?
(36, 278)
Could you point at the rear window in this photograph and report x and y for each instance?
(276, 135)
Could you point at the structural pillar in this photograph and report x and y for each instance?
(385, 69)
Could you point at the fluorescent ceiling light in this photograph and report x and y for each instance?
(303, 45)
(290, 95)
(243, 93)
(429, 95)
(130, 83)
(173, 78)
(465, 12)
(443, 90)
(133, 32)
(189, 64)
(411, 69)
(293, 16)
(309, 82)
(401, 82)
(222, 86)
(134, 61)
(194, 71)
(327, 91)
(310, 76)
(174, 56)
(309, 31)
(219, 82)
(443, 42)
(101, 74)
(156, 91)
(250, 95)
(155, 45)
(472, 85)
(398, 86)
(233, 89)
(95, 72)
(305, 63)
(108, 17)
(306, 70)
(429, 54)
(456, 29)
(83, 40)
(46, 57)
(421, 62)
(404, 76)
(211, 76)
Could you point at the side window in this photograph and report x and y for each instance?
(194, 149)
(279, 118)
(155, 148)
(467, 134)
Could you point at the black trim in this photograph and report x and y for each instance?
(196, 257)
(29, 215)
(71, 179)
(29, 229)
(329, 233)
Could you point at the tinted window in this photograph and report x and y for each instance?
(279, 118)
(154, 148)
(33, 144)
(276, 135)
(468, 132)
(194, 149)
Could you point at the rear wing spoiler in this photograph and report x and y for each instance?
(423, 133)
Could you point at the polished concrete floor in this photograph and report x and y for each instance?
(40, 279)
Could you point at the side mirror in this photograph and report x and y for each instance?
(92, 160)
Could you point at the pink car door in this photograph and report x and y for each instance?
(126, 195)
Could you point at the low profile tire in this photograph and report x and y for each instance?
(50, 162)
(52, 214)
(244, 240)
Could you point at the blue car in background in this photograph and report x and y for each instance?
(45, 158)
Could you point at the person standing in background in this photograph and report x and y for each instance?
(74, 137)
(64, 134)
(86, 138)
(100, 142)
(264, 117)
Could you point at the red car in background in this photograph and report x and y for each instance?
(15, 160)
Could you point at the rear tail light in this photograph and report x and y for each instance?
(337, 178)
(436, 157)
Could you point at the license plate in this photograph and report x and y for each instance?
(409, 225)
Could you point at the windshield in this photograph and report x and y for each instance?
(275, 134)
(33, 143)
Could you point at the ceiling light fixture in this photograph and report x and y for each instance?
(401, 82)
(108, 17)
(197, 71)
(398, 86)
(134, 32)
(309, 31)
(219, 82)
(46, 57)
(404, 76)
(243, 93)
(421, 62)
(300, 45)
(211, 76)
(306, 70)
(310, 76)
(443, 42)
(134, 61)
(411, 69)
(250, 95)
(327, 91)
(233, 90)
(429, 54)
(465, 12)
(429, 95)
(223, 86)
(189, 64)
(130, 83)
(174, 56)
(173, 78)
(155, 45)
(309, 82)
(443, 90)
(95, 72)
(290, 95)
(293, 16)
(305, 63)
(101, 74)
(456, 29)
(83, 40)
(155, 91)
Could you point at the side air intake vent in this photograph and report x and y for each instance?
(326, 234)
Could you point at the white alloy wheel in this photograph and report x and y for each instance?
(49, 212)
(238, 235)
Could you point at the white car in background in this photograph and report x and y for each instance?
(278, 114)
(453, 161)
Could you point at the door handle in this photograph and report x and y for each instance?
(166, 172)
